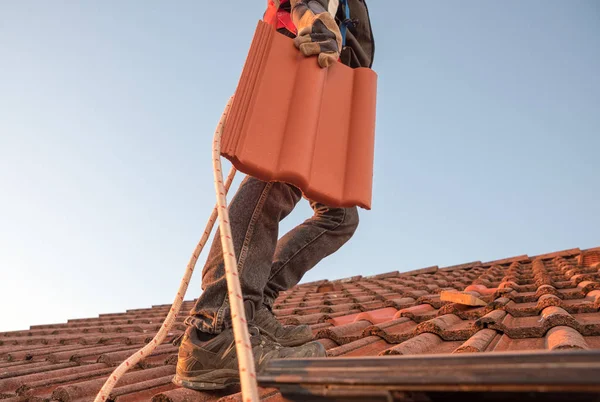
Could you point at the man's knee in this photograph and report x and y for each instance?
(351, 219)
(347, 222)
(344, 221)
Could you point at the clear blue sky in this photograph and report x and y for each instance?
(487, 145)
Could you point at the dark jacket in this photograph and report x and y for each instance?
(360, 45)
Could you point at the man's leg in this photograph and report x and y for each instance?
(255, 213)
(207, 357)
(307, 244)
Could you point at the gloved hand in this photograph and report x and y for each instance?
(318, 34)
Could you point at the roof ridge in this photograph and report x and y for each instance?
(434, 268)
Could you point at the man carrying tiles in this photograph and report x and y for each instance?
(331, 31)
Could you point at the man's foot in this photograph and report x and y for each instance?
(211, 363)
(286, 335)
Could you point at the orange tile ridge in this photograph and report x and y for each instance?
(435, 268)
(428, 270)
(518, 258)
(563, 253)
(385, 275)
(589, 258)
(461, 266)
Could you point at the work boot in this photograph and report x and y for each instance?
(286, 335)
(209, 362)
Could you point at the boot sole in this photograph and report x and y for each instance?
(209, 380)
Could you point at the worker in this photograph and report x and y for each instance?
(266, 266)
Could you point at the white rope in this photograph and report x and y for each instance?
(234, 290)
(240, 327)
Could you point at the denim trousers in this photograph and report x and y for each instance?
(266, 265)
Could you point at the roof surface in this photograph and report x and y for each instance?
(546, 302)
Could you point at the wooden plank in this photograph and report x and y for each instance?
(573, 371)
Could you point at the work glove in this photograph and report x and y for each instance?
(318, 34)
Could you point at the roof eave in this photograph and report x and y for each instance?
(519, 374)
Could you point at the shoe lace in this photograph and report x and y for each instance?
(270, 322)
(177, 340)
(258, 339)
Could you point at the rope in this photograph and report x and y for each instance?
(240, 327)
(236, 301)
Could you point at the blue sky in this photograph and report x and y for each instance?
(488, 133)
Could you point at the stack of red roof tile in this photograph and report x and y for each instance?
(546, 302)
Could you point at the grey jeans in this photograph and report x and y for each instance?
(267, 266)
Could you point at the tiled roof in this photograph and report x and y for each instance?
(546, 302)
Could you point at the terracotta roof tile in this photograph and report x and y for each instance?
(419, 344)
(90, 388)
(186, 395)
(479, 342)
(345, 333)
(458, 267)
(394, 331)
(563, 253)
(383, 276)
(549, 302)
(367, 346)
(265, 394)
(427, 270)
(338, 113)
(506, 260)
